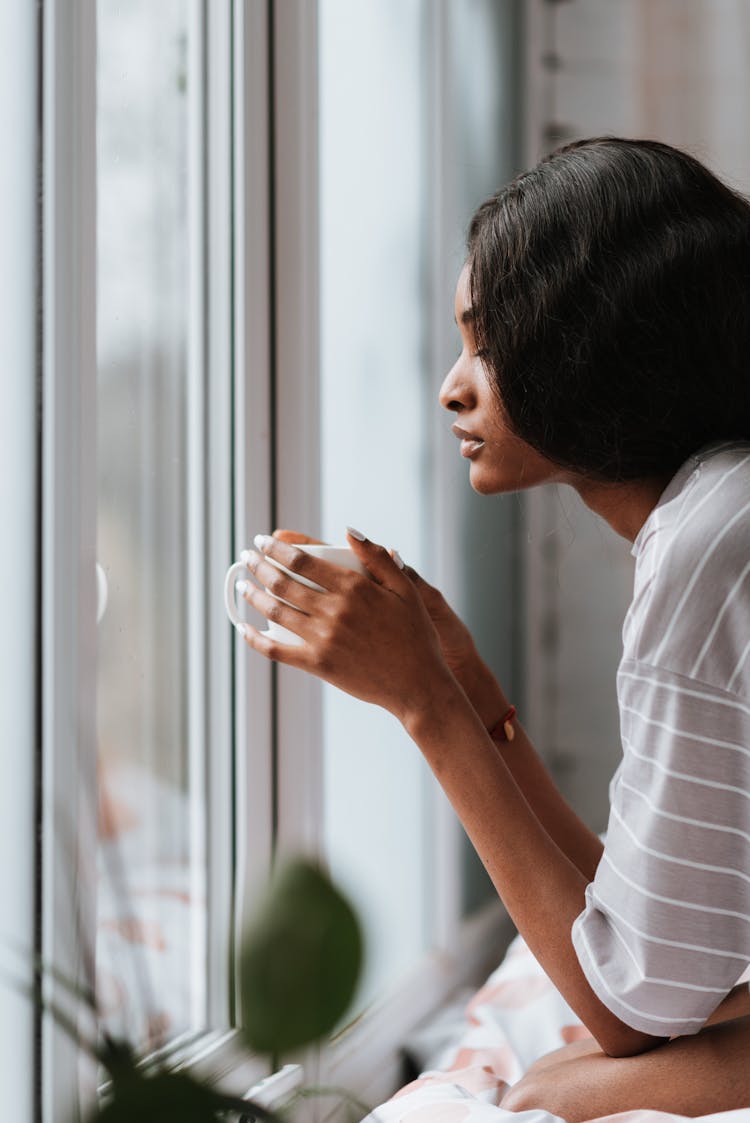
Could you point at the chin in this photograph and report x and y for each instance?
(483, 483)
(511, 473)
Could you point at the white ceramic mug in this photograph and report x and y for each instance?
(338, 555)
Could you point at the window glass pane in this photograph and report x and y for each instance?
(151, 911)
(374, 432)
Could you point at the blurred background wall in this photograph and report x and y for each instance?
(677, 71)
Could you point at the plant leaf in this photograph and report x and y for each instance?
(300, 960)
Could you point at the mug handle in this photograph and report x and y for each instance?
(235, 573)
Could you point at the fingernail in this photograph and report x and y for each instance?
(241, 630)
(245, 557)
(356, 534)
(394, 554)
(242, 587)
(262, 542)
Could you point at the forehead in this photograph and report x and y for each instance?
(462, 302)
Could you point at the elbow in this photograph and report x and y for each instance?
(624, 1041)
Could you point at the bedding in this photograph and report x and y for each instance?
(479, 1047)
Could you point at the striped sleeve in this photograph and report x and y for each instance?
(665, 932)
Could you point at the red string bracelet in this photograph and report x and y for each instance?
(503, 730)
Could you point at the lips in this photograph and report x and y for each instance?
(470, 442)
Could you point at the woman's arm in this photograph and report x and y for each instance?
(374, 639)
(541, 887)
(571, 835)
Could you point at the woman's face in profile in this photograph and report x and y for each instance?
(499, 460)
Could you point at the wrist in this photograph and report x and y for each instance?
(485, 693)
(434, 706)
(504, 729)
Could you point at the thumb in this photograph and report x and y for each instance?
(432, 597)
(378, 561)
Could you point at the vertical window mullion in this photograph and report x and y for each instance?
(297, 475)
(19, 559)
(252, 445)
(196, 468)
(297, 352)
(218, 498)
(69, 532)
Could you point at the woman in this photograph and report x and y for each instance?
(604, 310)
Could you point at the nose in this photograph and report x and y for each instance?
(456, 393)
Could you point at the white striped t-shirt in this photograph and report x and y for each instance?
(665, 933)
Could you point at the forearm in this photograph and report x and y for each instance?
(581, 845)
(542, 889)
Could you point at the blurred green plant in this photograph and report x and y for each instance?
(299, 963)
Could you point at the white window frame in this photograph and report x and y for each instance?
(257, 164)
(19, 576)
(68, 632)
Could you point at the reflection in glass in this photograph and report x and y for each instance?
(151, 901)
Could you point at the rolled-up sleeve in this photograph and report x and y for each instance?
(665, 932)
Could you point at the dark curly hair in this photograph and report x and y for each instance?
(611, 294)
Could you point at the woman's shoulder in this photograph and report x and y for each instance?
(710, 534)
(696, 617)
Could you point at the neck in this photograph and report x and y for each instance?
(625, 506)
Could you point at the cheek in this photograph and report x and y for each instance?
(498, 433)
(498, 423)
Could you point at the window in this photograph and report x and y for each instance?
(151, 894)
(238, 298)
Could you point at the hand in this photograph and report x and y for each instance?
(371, 637)
(460, 653)
(455, 639)
(456, 643)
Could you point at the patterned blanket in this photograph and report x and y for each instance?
(470, 1058)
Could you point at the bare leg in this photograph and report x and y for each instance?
(691, 1076)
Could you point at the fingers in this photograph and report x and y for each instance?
(424, 587)
(276, 611)
(295, 536)
(314, 598)
(328, 576)
(312, 572)
(295, 591)
(407, 569)
(385, 567)
(271, 648)
(379, 562)
(431, 598)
